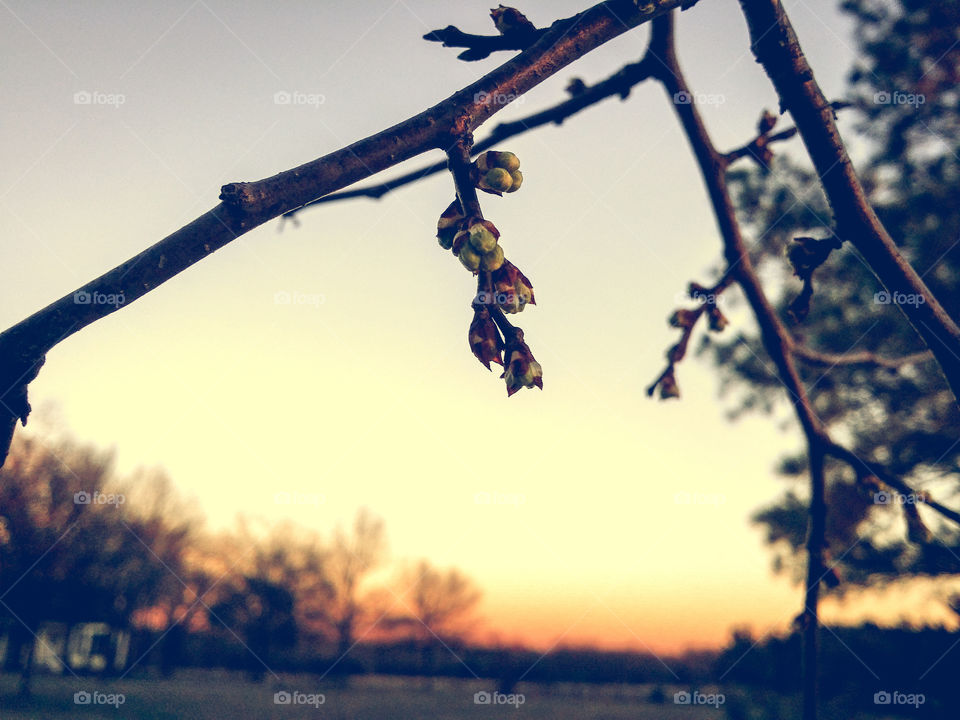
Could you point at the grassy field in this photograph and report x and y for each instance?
(214, 695)
(217, 695)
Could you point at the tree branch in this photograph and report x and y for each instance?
(777, 48)
(246, 205)
(620, 83)
(817, 358)
(774, 335)
(816, 542)
(481, 46)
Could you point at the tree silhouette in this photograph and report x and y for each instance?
(72, 549)
(439, 604)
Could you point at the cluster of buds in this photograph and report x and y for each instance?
(473, 240)
(502, 288)
(520, 368)
(509, 289)
(497, 172)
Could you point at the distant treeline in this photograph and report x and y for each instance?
(894, 671)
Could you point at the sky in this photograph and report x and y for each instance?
(613, 518)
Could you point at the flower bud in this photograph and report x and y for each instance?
(521, 369)
(513, 289)
(496, 159)
(460, 240)
(516, 178)
(484, 338)
(683, 318)
(668, 386)
(766, 123)
(511, 21)
(448, 224)
(506, 160)
(717, 320)
(497, 180)
(469, 258)
(482, 239)
(493, 260)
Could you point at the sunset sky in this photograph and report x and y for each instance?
(363, 392)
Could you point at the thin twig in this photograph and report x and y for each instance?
(817, 358)
(619, 83)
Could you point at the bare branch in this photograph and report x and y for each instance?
(246, 205)
(758, 149)
(816, 543)
(620, 83)
(776, 47)
(516, 33)
(864, 468)
(481, 46)
(817, 358)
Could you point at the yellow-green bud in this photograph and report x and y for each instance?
(506, 160)
(493, 259)
(469, 258)
(482, 239)
(497, 179)
(516, 179)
